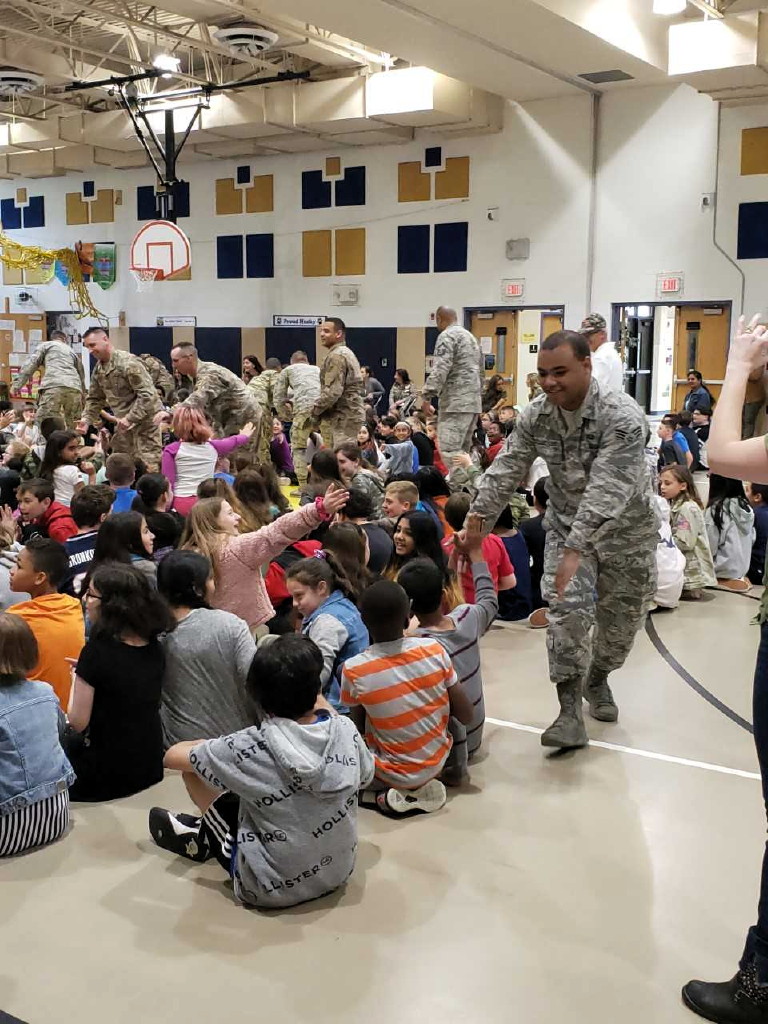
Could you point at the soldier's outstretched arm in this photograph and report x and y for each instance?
(504, 475)
(614, 478)
(441, 367)
(32, 364)
(280, 393)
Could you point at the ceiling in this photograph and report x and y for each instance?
(513, 49)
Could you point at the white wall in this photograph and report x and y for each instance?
(657, 157)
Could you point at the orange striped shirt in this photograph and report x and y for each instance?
(403, 686)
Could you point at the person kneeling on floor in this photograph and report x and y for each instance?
(403, 690)
(278, 800)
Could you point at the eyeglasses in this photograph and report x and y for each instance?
(94, 597)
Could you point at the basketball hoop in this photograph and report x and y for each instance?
(145, 277)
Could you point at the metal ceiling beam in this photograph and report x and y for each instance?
(711, 9)
(60, 43)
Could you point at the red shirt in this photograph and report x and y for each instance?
(495, 556)
(493, 450)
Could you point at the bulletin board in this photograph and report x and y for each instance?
(20, 334)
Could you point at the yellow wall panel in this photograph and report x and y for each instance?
(316, 253)
(411, 352)
(103, 207)
(180, 275)
(12, 275)
(413, 186)
(121, 338)
(77, 210)
(253, 343)
(39, 275)
(21, 196)
(453, 182)
(259, 198)
(181, 336)
(754, 151)
(228, 198)
(332, 166)
(350, 251)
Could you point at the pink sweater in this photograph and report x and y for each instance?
(240, 586)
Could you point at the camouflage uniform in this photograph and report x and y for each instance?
(340, 407)
(601, 505)
(263, 388)
(124, 385)
(161, 377)
(63, 384)
(304, 381)
(456, 380)
(224, 398)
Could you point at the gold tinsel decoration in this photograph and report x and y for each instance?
(33, 257)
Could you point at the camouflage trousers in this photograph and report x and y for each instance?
(302, 427)
(64, 402)
(140, 442)
(235, 424)
(454, 433)
(336, 431)
(593, 626)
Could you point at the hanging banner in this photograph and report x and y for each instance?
(61, 273)
(104, 264)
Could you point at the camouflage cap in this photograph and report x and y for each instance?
(593, 322)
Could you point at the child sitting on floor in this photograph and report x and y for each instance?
(403, 690)
(494, 552)
(757, 496)
(279, 851)
(730, 529)
(688, 529)
(459, 632)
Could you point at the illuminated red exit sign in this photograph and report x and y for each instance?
(513, 289)
(669, 284)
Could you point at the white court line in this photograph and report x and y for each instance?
(638, 753)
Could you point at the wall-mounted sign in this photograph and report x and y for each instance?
(669, 285)
(177, 321)
(283, 320)
(513, 289)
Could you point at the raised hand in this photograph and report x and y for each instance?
(335, 499)
(749, 345)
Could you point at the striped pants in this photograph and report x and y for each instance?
(35, 825)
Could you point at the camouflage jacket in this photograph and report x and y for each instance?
(124, 385)
(600, 498)
(61, 367)
(304, 381)
(341, 387)
(457, 375)
(263, 387)
(223, 396)
(161, 376)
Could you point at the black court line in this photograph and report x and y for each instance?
(694, 684)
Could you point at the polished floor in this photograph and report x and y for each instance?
(580, 888)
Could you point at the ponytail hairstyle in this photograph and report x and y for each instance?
(58, 440)
(323, 567)
(149, 490)
(347, 542)
(721, 488)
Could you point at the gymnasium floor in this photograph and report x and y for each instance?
(577, 888)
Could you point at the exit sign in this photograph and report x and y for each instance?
(669, 284)
(514, 289)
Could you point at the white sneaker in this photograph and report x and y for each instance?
(401, 803)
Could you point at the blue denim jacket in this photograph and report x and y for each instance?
(33, 766)
(357, 641)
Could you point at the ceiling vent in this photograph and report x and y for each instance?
(601, 77)
(17, 83)
(246, 40)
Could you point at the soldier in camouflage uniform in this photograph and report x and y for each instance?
(219, 393)
(263, 386)
(340, 407)
(304, 383)
(62, 387)
(456, 380)
(599, 561)
(121, 382)
(161, 377)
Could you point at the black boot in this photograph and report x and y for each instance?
(738, 1001)
(598, 694)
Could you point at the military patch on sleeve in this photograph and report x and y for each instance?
(629, 434)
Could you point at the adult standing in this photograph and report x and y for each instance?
(401, 393)
(699, 396)
(456, 380)
(754, 403)
(219, 393)
(303, 381)
(745, 997)
(122, 383)
(340, 407)
(62, 385)
(600, 556)
(374, 389)
(606, 362)
(164, 383)
(263, 387)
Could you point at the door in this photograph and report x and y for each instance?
(551, 323)
(701, 343)
(499, 330)
(638, 336)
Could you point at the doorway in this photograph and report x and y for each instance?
(657, 342)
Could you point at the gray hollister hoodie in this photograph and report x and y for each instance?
(297, 784)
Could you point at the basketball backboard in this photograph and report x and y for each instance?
(161, 246)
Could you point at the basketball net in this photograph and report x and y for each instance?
(144, 277)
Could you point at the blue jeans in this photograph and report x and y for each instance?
(756, 948)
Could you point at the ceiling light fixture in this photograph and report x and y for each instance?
(167, 64)
(669, 6)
